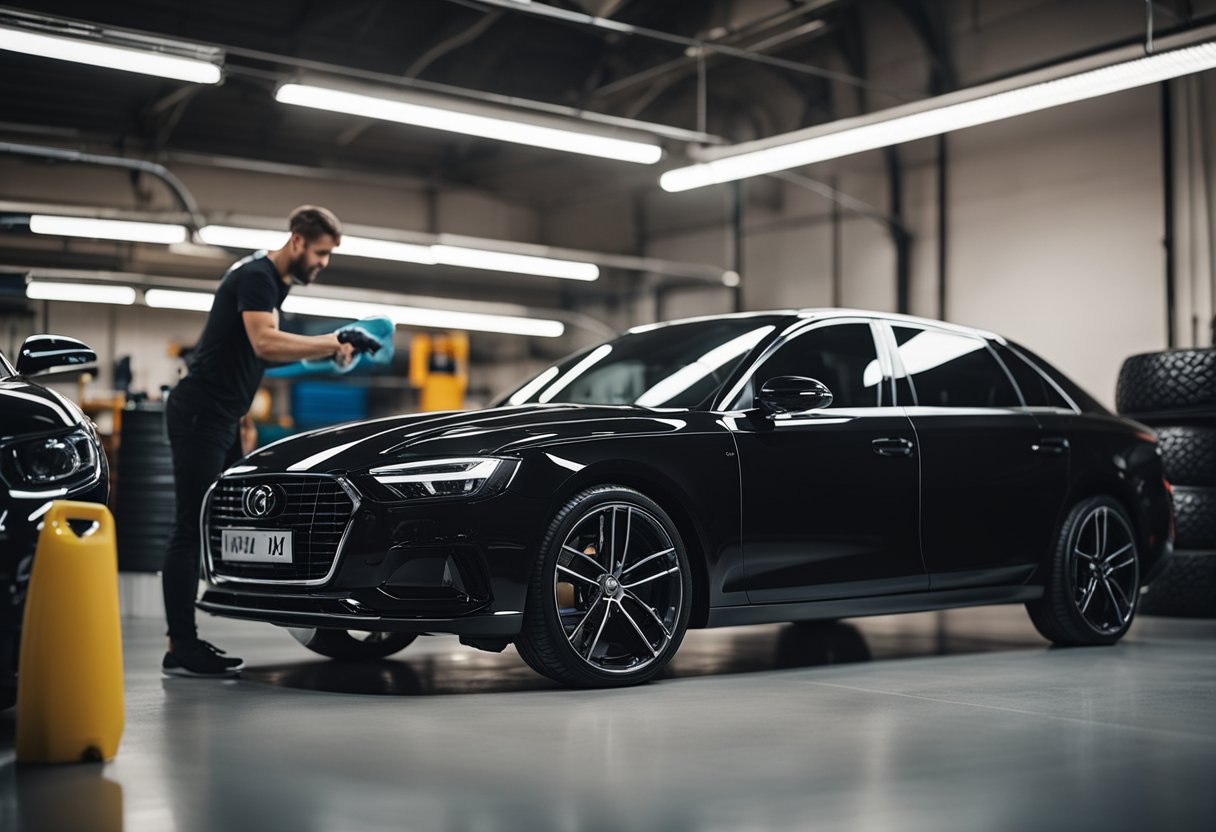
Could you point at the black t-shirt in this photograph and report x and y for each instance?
(224, 370)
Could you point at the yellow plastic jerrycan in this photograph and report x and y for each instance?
(69, 683)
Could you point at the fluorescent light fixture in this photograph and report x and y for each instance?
(499, 261)
(125, 230)
(78, 50)
(472, 258)
(353, 309)
(507, 126)
(924, 119)
(253, 239)
(419, 316)
(386, 250)
(80, 292)
(174, 299)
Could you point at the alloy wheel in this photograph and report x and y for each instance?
(1104, 570)
(618, 588)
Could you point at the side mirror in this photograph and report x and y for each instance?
(41, 354)
(792, 394)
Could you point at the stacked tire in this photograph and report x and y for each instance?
(146, 503)
(1175, 393)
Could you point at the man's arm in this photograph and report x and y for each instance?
(273, 344)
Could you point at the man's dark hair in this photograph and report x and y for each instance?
(311, 221)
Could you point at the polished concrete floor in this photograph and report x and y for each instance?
(960, 720)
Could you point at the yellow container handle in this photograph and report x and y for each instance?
(61, 511)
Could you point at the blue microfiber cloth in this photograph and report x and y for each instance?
(380, 328)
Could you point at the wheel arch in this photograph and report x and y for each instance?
(672, 499)
(1123, 493)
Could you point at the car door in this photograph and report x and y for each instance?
(993, 477)
(829, 497)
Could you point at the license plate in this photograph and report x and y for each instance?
(255, 546)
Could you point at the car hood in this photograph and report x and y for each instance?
(28, 408)
(501, 430)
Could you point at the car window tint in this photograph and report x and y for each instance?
(842, 356)
(670, 365)
(950, 370)
(1035, 389)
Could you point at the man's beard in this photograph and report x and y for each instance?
(300, 275)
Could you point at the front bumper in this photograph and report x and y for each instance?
(444, 566)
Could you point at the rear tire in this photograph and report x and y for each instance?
(611, 593)
(352, 645)
(1094, 583)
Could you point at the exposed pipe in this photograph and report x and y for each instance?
(837, 252)
(731, 37)
(554, 13)
(1167, 174)
(139, 165)
(451, 44)
(1205, 137)
(899, 232)
(1190, 108)
(737, 195)
(943, 223)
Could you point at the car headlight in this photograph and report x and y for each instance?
(461, 477)
(50, 460)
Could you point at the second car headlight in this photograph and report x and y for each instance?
(458, 477)
(51, 459)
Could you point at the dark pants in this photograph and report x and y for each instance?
(203, 445)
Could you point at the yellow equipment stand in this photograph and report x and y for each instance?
(69, 683)
(439, 368)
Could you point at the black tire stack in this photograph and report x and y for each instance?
(145, 505)
(1175, 393)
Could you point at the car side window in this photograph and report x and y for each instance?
(952, 370)
(842, 356)
(1035, 389)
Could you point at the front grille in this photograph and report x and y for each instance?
(317, 512)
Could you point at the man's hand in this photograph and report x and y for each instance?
(345, 354)
(360, 340)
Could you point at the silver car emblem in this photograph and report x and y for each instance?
(259, 501)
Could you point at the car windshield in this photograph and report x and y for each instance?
(666, 365)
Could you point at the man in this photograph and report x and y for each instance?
(204, 411)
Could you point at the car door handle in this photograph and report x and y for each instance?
(892, 447)
(1053, 446)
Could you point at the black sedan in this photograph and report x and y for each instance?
(742, 469)
(48, 451)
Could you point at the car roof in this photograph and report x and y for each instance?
(832, 312)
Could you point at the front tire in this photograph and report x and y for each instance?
(1094, 583)
(352, 645)
(610, 595)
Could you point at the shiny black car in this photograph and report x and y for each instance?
(741, 469)
(48, 451)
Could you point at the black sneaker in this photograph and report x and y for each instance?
(199, 658)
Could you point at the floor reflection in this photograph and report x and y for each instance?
(57, 798)
(434, 667)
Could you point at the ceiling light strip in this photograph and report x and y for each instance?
(500, 128)
(256, 238)
(418, 316)
(895, 128)
(80, 292)
(78, 50)
(98, 229)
